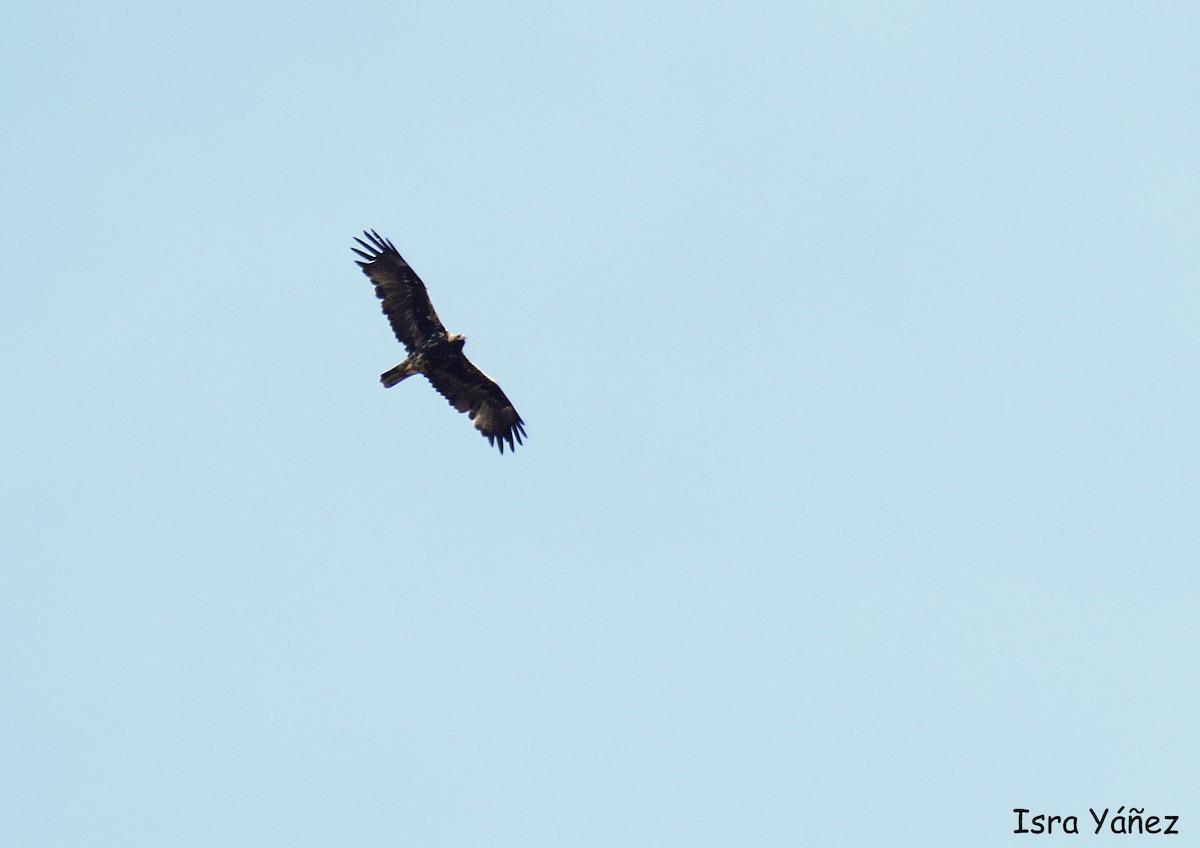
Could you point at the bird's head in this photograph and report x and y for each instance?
(458, 340)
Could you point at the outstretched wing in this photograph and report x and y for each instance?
(405, 300)
(471, 391)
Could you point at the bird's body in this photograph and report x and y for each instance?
(435, 354)
(431, 350)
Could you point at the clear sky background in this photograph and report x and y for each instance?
(857, 344)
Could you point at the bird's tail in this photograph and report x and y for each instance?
(395, 375)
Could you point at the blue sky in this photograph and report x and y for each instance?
(857, 348)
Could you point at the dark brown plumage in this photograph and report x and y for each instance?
(431, 350)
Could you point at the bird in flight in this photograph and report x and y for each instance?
(431, 350)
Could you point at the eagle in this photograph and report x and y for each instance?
(431, 350)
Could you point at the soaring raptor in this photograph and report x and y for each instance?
(431, 350)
